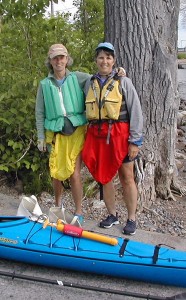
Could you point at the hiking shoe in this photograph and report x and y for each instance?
(130, 227)
(109, 221)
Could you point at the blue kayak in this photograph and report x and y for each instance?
(27, 241)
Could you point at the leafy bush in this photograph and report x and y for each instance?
(24, 45)
(26, 34)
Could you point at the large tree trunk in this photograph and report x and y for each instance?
(144, 33)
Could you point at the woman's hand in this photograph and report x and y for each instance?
(121, 72)
(133, 151)
(41, 145)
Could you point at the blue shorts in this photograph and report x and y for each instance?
(127, 160)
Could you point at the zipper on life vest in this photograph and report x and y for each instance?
(101, 103)
(100, 106)
(61, 101)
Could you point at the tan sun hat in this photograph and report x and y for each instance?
(57, 49)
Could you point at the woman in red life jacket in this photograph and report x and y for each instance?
(114, 134)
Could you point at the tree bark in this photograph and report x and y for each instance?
(144, 33)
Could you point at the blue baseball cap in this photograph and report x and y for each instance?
(106, 45)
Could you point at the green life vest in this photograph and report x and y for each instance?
(63, 102)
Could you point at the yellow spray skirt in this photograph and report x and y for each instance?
(64, 152)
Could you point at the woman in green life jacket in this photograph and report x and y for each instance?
(61, 123)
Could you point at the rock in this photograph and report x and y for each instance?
(98, 204)
(179, 164)
(19, 186)
(181, 118)
(180, 132)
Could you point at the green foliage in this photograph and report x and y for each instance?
(26, 34)
(181, 56)
(90, 187)
(35, 182)
(89, 23)
(23, 8)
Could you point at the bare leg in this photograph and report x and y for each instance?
(76, 186)
(58, 191)
(126, 175)
(109, 197)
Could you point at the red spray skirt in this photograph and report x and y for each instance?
(103, 160)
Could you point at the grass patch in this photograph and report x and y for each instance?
(181, 56)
